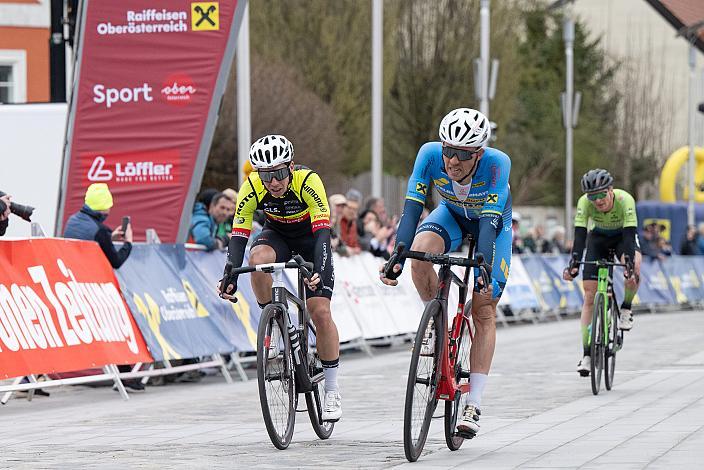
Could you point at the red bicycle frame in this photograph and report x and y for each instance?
(447, 385)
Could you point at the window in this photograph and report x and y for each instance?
(6, 84)
(13, 76)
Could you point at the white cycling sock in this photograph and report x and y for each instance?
(477, 382)
(330, 369)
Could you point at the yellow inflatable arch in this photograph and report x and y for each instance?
(668, 176)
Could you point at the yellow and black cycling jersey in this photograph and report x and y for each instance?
(301, 211)
(298, 221)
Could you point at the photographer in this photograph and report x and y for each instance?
(7, 207)
(4, 213)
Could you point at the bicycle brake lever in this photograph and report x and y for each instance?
(389, 272)
(225, 281)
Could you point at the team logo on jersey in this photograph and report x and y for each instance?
(492, 198)
(422, 188)
(239, 220)
(479, 184)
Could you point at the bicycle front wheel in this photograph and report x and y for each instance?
(314, 401)
(455, 407)
(611, 347)
(597, 342)
(423, 377)
(277, 388)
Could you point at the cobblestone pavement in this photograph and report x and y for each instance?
(537, 413)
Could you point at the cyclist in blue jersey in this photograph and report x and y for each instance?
(472, 182)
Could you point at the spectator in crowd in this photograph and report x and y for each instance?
(376, 205)
(337, 203)
(664, 248)
(4, 214)
(375, 238)
(517, 246)
(206, 219)
(538, 243)
(650, 243)
(87, 224)
(225, 227)
(689, 245)
(348, 226)
(700, 237)
(558, 241)
(354, 195)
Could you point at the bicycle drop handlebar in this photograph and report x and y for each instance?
(297, 262)
(443, 260)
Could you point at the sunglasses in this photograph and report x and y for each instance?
(280, 175)
(597, 196)
(461, 154)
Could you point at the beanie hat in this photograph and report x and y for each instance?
(98, 197)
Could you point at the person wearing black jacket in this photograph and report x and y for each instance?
(88, 224)
(5, 214)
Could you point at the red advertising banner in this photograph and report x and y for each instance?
(61, 309)
(144, 97)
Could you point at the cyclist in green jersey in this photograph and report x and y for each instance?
(612, 213)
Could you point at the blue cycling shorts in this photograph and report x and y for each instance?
(453, 229)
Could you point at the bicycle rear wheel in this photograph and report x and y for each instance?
(423, 378)
(597, 342)
(455, 407)
(314, 400)
(611, 347)
(277, 390)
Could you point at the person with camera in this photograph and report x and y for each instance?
(88, 224)
(8, 207)
(4, 213)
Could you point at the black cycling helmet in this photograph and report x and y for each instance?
(596, 180)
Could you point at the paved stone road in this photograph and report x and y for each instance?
(537, 413)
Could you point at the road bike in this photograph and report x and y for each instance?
(605, 338)
(287, 364)
(443, 372)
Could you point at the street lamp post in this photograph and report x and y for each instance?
(690, 33)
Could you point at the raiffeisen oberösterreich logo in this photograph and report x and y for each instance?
(149, 21)
(131, 170)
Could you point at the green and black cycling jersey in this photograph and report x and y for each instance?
(617, 227)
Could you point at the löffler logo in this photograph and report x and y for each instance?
(131, 171)
(178, 89)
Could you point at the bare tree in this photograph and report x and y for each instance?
(280, 105)
(644, 120)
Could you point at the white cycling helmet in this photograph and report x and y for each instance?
(465, 127)
(270, 151)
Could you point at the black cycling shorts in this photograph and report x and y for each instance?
(285, 247)
(598, 247)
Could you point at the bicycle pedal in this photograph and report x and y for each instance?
(331, 420)
(466, 434)
(584, 373)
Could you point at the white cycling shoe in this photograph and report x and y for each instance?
(585, 366)
(625, 320)
(332, 407)
(468, 425)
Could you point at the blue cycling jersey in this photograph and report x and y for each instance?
(481, 207)
(487, 194)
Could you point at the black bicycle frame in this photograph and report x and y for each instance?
(280, 298)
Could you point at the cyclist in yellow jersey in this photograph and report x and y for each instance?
(612, 213)
(297, 221)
